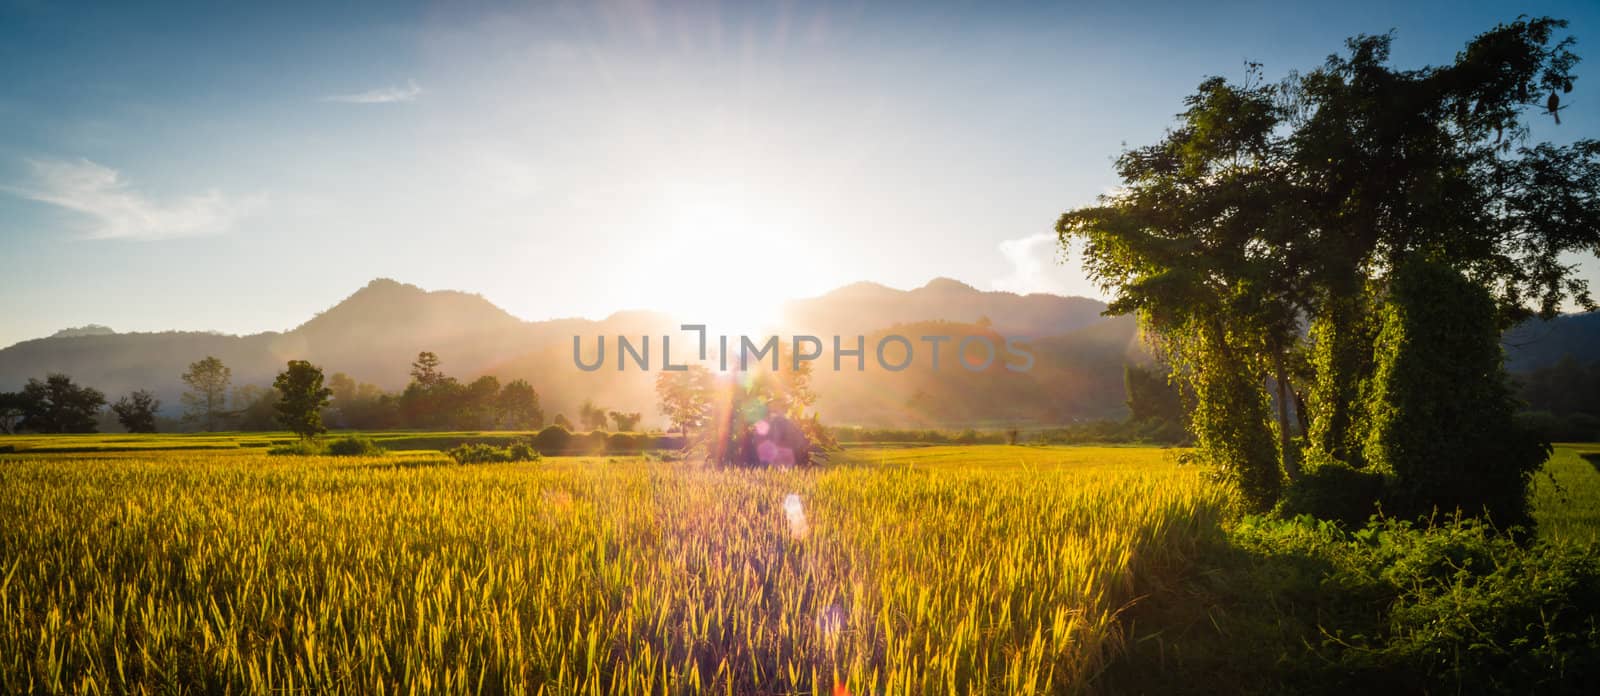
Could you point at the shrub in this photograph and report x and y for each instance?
(478, 453)
(1333, 490)
(627, 443)
(354, 446)
(553, 440)
(1392, 607)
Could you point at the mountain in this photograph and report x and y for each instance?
(374, 334)
(864, 307)
(1538, 343)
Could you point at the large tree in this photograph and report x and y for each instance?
(137, 411)
(301, 398)
(57, 405)
(519, 407)
(207, 398)
(1276, 205)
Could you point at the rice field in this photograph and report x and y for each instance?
(210, 572)
(977, 569)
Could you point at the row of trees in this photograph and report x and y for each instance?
(1348, 244)
(211, 402)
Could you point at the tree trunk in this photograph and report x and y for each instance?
(1291, 465)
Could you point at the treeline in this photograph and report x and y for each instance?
(211, 402)
(1563, 400)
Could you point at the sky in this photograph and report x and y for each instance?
(239, 167)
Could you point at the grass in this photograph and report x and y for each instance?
(941, 569)
(1566, 497)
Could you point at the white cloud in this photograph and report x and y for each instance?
(1036, 266)
(117, 212)
(381, 95)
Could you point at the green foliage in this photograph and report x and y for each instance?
(477, 453)
(1334, 490)
(137, 411)
(301, 398)
(205, 402)
(354, 446)
(57, 405)
(1462, 608)
(1230, 420)
(1274, 202)
(1442, 411)
(1342, 363)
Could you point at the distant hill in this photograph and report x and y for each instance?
(1537, 343)
(376, 332)
(864, 307)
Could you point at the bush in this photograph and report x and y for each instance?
(1458, 608)
(354, 446)
(553, 441)
(477, 453)
(1333, 490)
(628, 443)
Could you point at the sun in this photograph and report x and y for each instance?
(719, 260)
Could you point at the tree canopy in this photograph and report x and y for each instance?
(1259, 237)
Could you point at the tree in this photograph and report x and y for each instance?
(593, 417)
(12, 409)
(519, 407)
(1199, 244)
(480, 403)
(560, 421)
(137, 411)
(206, 400)
(56, 405)
(425, 370)
(255, 408)
(1274, 205)
(684, 397)
(626, 422)
(1442, 407)
(1151, 397)
(431, 400)
(301, 397)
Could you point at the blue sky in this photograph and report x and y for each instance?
(241, 168)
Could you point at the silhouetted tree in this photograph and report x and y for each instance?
(593, 417)
(57, 405)
(480, 403)
(137, 411)
(519, 407)
(561, 421)
(301, 397)
(207, 398)
(431, 400)
(626, 422)
(12, 410)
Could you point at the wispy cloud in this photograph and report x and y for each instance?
(1036, 266)
(115, 211)
(381, 95)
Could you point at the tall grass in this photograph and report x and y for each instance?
(242, 572)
